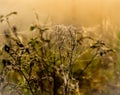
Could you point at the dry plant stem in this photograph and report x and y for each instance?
(67, 92)
(16, 61)
(24, 77)
(27, 82)
(88, 64)
(54, 79)
(11, 30)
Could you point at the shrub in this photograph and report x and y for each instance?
(60, 60)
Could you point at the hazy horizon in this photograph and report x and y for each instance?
(76, 12)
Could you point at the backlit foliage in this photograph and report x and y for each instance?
(60, 60)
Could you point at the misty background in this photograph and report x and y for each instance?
(76, 12)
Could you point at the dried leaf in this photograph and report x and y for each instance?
(1, 16)
(15, 13)
(32, 27)
(7, 48)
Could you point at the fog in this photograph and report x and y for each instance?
(76, 12)
(69, 12)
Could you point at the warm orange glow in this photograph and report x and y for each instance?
(83, 12)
